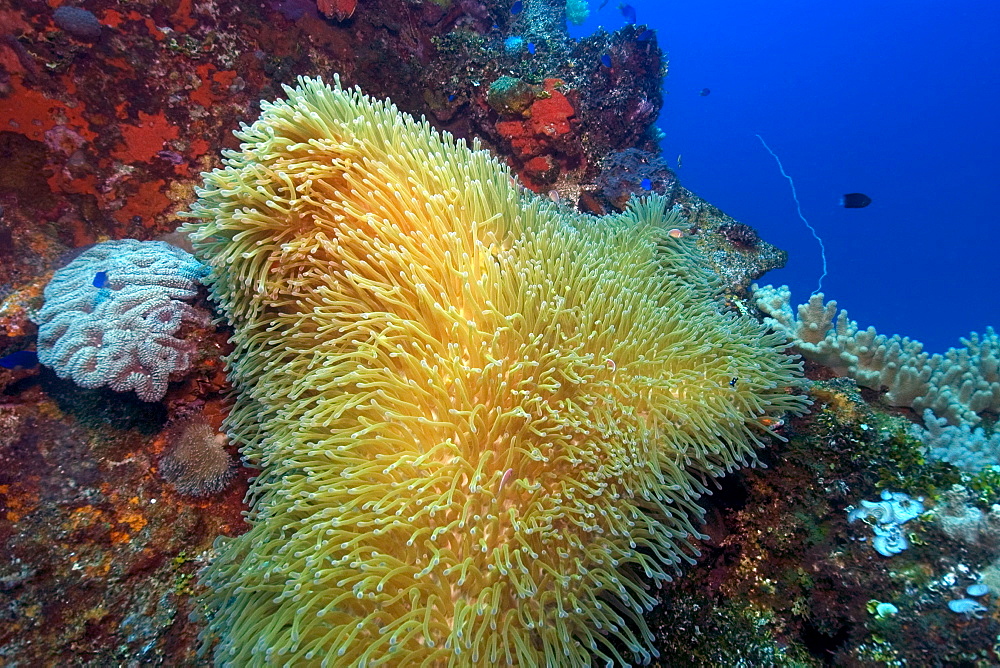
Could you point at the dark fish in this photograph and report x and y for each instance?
(628, 11)
(531, 48)
(22, 359)
(646, 184)
(855, 201)
(516, 8)
(645, 35)
(100, 279)
(451, 98)
(705, 91)
(606, 60)
(603, 4)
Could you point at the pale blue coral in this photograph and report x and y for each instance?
(121, 335)
(886, 518)
(577, 11)
(969, 449)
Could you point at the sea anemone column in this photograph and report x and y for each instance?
(481, 420)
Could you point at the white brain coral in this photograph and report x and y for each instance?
(120, 331)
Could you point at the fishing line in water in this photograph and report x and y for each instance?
(798, 208)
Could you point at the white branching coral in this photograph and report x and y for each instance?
(111, 316)
(957, 386)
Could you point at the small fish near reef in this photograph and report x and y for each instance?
(531, 48)
(705, 92)
(516, 8)
(645, 35)
(606, 60)
(855, 201)
(22, 359)
(646, 184)
(628, 11)
(100, 279)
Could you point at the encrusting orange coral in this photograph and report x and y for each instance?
(482, 420)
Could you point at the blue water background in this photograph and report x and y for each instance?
(899, 100)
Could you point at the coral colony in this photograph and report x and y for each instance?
(886, 518)
(111, 316)
(489, 387)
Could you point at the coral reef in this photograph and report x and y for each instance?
(737, 264)
(740, 235)
(544, 141)
(969, 449)
(577, 11)
(958, 516)
(886, 519)
(112, 317)
(633, 173)
(785, 580)
(108, 114)
(581, 111)
(463, 454)
(957, 386)
(98, 556)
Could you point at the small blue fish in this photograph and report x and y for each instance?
(451, 98)
(606, 60)
(645, 35)
(22, 359)
(101, 279)
(646, 184)
(531, 48)
(628, 11)
(516, 8)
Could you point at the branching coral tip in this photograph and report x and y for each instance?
(798, 208)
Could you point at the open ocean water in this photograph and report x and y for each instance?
(894, 99)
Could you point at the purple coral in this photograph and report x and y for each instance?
(742, 236)
(112, 315)
(78, 22)
(634, 172)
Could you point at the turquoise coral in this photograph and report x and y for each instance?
(577, 11)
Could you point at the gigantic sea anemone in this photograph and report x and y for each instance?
(482, 420)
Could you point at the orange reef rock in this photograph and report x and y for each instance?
(544, 132)
(337, 9)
